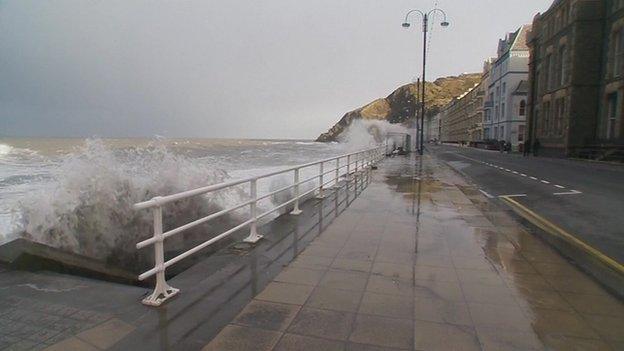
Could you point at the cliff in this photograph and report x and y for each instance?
(401, 105)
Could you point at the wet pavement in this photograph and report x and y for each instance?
(415, 258)
(423, 261)
(41, 310)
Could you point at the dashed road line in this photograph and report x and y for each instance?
(571, 192)
(486, 194)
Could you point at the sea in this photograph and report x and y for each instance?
(77, 194)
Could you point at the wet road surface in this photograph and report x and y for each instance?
(424, 261)
(584, 198)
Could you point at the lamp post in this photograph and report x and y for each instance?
(425, 29)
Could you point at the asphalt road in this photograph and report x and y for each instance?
(584, 198)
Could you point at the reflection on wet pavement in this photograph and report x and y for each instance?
(423, 261)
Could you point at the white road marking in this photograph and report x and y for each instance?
(486, 194)
(572, 192)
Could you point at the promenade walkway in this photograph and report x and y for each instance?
(423, 261)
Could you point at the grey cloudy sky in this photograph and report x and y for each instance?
(223, 68)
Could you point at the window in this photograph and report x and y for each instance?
(503, 111)
(537, 122)
(522, 109)
(504, 88)
(502, 132)
(612, 102)
(563, 68)
(618, 53)
(521, 132)
(546, 128)
(559, 115)
(547, 72)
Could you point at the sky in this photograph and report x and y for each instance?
(225, 68)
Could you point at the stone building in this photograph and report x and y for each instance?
(507, 76)
(610, 128)
(576, 70)
(461, 119)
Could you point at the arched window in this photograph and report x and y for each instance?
(522, 111)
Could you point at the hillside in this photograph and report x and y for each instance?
(400, 106)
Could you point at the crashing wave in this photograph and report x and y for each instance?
(88, 208)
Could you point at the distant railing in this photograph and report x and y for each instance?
(353, 162)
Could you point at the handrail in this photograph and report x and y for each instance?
(355, 162)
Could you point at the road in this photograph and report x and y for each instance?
(584, 198)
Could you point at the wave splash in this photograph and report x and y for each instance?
(88, 208)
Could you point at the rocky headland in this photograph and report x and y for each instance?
(400, 106)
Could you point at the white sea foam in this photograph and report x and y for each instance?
(81, 201)
(88, 208)
(5, 149)
(361, 134)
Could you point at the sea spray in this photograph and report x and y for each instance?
(362, 134)
(88, 209)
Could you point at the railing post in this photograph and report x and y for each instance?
(337, 172)
(162, 291)
(321, 171)
(253, 209)
(348, 175)
(296, 210)
(357, 157)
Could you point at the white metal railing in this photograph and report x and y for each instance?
(353, 163)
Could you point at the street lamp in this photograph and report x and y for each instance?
(425, 29)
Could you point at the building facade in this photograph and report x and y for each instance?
(432, 128)
(505, 106)
(610, 128)
(462, 117)
(576, 71)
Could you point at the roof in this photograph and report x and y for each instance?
(522, 88)
(555, 3)
(520, 39)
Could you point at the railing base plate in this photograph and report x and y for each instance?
(296, 212)
(156, 299)
(252, 239)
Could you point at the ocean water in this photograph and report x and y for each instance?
(76, 194)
